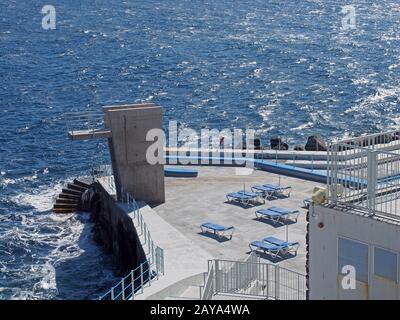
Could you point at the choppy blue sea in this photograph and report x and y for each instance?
(281, 67)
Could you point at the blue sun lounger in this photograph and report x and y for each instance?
(307, 202)
(272, 249)
(276, 214)
(269, 190)
(243, 196)
(288, 246)
(218, 230)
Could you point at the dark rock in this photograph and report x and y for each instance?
(299, 148)
(385, 138)
(257, 144)
(396, 136)
(114, 230)
(278, 144)
(315, 143)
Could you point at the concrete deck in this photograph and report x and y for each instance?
(182, 257)
(193, 201)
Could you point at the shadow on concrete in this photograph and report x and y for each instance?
(276, 197)
(214, 236)
(276, 259)
(273, 223)
(244, 206)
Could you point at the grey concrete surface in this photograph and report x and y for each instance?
(129, 125)
(193, 201)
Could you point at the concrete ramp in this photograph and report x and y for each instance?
(183, 258)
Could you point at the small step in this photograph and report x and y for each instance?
(63, 210)
(73, 192)
(81, 183)
(69, 196)
(67, 201)
(76, 187)
(70, 201)
(65, 206)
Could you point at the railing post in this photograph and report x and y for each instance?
(149, 275)
(298, 287)
(371, 175)
(216, 276)
(123, 288)
(277, 283)
(112, 293)
(141, 277)
(133, 284)
(157, 263)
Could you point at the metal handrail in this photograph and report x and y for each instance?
(128, 287)
(364, 174)
(250, 278)
(84, 120)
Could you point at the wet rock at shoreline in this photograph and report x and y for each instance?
(299, 148)
(278, 144)
(315, 143)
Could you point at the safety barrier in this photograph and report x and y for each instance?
(250, 278)
(134, 283)
(364, 174)
(147, 272)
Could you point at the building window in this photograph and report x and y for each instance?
(355, 254)
(385, 264)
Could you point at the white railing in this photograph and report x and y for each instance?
(104, 174)
(84, 120)
(140, 224)
(364, 173)
(250, 278)
(135, 281)
(150, 270)
(208, 290)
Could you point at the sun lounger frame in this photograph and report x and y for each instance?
(273, 251)
(288, 246)
(227, 232)
(246, 199)
(269, 190)
(277, 216)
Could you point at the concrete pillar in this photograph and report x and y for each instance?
(129, 125)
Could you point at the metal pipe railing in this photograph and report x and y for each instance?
(364, 173)
(250, 278)
(84, 120)
(135, 282)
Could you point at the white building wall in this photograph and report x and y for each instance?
(324, 278)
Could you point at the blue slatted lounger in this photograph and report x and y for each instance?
(243, 196)
(218, 230)
(269, 190)
(277, 214)
(272, 249)
(180, 173)
(288, 246)
(307, 202)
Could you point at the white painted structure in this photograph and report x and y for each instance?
(359, 227)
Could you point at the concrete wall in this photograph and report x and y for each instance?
(128, 147)
(324, 278)
(115, 232)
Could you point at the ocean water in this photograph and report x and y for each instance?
(282, 68)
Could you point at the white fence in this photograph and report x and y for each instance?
(364, 173)
(252, 278)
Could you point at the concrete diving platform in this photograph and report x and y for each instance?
(89, 134)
